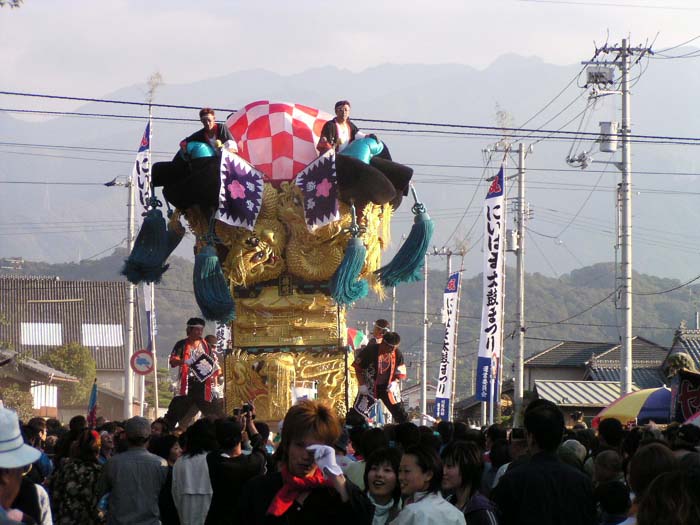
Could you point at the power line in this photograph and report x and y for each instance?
(105, 101)
(113, 116)
(546, 259)
(670, 289)
(499, 129)
(562, 321)
(105, 250)
(613, 4)
(51, 183)
(89, 230)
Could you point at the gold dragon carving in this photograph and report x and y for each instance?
(282, 248)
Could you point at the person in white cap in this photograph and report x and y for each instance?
(15, 457)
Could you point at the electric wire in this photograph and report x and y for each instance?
(546, 259)
(498, 129)
(612, 4)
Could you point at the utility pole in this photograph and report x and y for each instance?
(448, 253)
(520, 270)
(623, 61)
(626, 189)
(153, 82)
(131, 305)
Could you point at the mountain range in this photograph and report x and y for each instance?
(572, 212)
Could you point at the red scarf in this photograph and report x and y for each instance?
(292, 488)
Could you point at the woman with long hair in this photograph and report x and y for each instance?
(463, 467)
(420, 479)
(309, 487)
(382, 484)
(73, 487)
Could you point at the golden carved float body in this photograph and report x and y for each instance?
(288, 331)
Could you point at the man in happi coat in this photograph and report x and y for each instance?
(379, 367)
(190, 390)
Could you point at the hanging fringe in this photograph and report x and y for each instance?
(147, 257)
(211, 287)
(346, 287)
(407, 264)
(387, 213)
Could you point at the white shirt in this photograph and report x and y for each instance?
(431, 509)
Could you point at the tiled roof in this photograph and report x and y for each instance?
(579, 393)
(579, 353)
(687, 341)
(45, 312)
(643, 375)
(37, 368)
(642, 350)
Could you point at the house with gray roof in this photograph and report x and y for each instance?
(687, 340)
(43, 313)
(596, 361)
(32, 376)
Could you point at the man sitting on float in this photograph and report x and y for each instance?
(340, 131)
(216, 135)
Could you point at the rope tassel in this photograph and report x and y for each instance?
(407, 264)
(211, 288)
(147, 257)
(346, 286)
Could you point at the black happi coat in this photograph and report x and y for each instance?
(322, 506)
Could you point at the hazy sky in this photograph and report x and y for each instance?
(90, 48)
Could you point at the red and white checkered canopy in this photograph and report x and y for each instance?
(278, 138)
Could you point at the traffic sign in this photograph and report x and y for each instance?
(142, 362)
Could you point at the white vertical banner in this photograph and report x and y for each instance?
(491, 334)
(141, 174)
(443, 396)
(149, 308)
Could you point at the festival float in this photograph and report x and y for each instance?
(286, 241)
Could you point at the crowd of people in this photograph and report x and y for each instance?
(321, 469)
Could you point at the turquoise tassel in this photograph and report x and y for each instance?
(147, 258)
(211, 288)
(407, 264)
(345, 286)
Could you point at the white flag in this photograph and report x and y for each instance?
(491, 337)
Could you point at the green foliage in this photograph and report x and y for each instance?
(76, 360)
(548, 300)
(164, 393)
(19, 400)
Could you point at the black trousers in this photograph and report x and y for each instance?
(181, 405)
(396, 409)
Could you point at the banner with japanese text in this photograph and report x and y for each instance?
(141, 174)
(491, 339)
(443, 395)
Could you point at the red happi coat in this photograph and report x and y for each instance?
(183, 349)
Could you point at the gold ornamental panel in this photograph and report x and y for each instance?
(269, 379)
